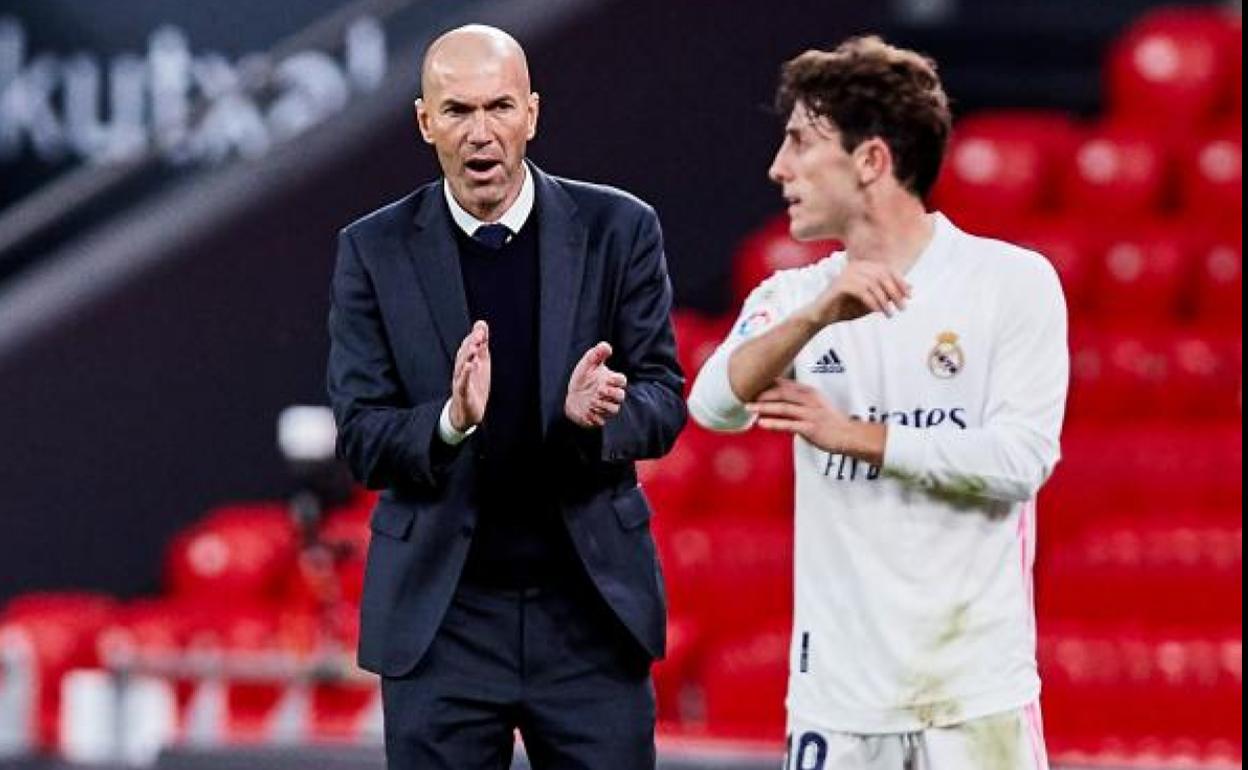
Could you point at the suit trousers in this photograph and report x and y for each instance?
(552, 663)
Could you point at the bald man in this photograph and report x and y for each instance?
(501, 354)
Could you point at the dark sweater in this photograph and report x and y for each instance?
(520, 540)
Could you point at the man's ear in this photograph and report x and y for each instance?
(422, 121)
(534, 103)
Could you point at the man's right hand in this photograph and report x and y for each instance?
(861, 288)
(470, 384)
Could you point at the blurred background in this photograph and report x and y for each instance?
(180, 559)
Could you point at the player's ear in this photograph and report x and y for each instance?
(873, 160)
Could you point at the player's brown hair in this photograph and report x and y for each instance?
(867, 88)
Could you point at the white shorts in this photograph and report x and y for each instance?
(1013, 740)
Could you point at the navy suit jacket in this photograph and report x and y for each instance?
(398, 316)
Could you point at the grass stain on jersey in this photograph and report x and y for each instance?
(965, 493)
(993, 742)
(931, 706)
(929, 703)
(955, 627)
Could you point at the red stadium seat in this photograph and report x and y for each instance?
(60, 629)
(210, 623)
(1090, 397)
(1219, 286)
(1205, 373)
(674, 676)
(252, 632)
(768, 250)
(1125, 693)
(1117, 377)
(1164, 375)
(1072, 246)
(159, 630)
(231, 633)
(1211, 172)
(1149, 470)
(1175, 67)
(675, 483)
(1143, 276)
(1146, 467)
(1117, 170)
(1151, 572)
(672, 483)
(149, 627)
(744, 683)
(240, 551)
(697, 337)
(1235, 59)
(59, 604)
(727, 572)
(342, 711)
(999, 168)
(749, 473)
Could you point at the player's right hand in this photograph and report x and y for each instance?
(470, 383)
(861, 288)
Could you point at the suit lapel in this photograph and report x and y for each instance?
(436, 260)
(561, 239)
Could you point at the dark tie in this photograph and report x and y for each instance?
(493, 236)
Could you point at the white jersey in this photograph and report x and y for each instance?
(912, 604)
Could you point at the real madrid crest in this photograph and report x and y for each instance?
(947, 358)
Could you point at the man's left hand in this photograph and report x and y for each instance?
(595, 392)
(792, 407)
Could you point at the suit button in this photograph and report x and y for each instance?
(466, 530)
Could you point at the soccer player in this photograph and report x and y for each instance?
(923, 371)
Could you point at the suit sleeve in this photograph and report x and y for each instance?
(644, 349)
(1016, 448)
(385, 440)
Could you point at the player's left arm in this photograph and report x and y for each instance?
(1015, 448)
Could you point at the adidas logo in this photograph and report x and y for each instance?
(829, 363)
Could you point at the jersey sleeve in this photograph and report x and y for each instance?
(1013, 452)
(712, 403)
